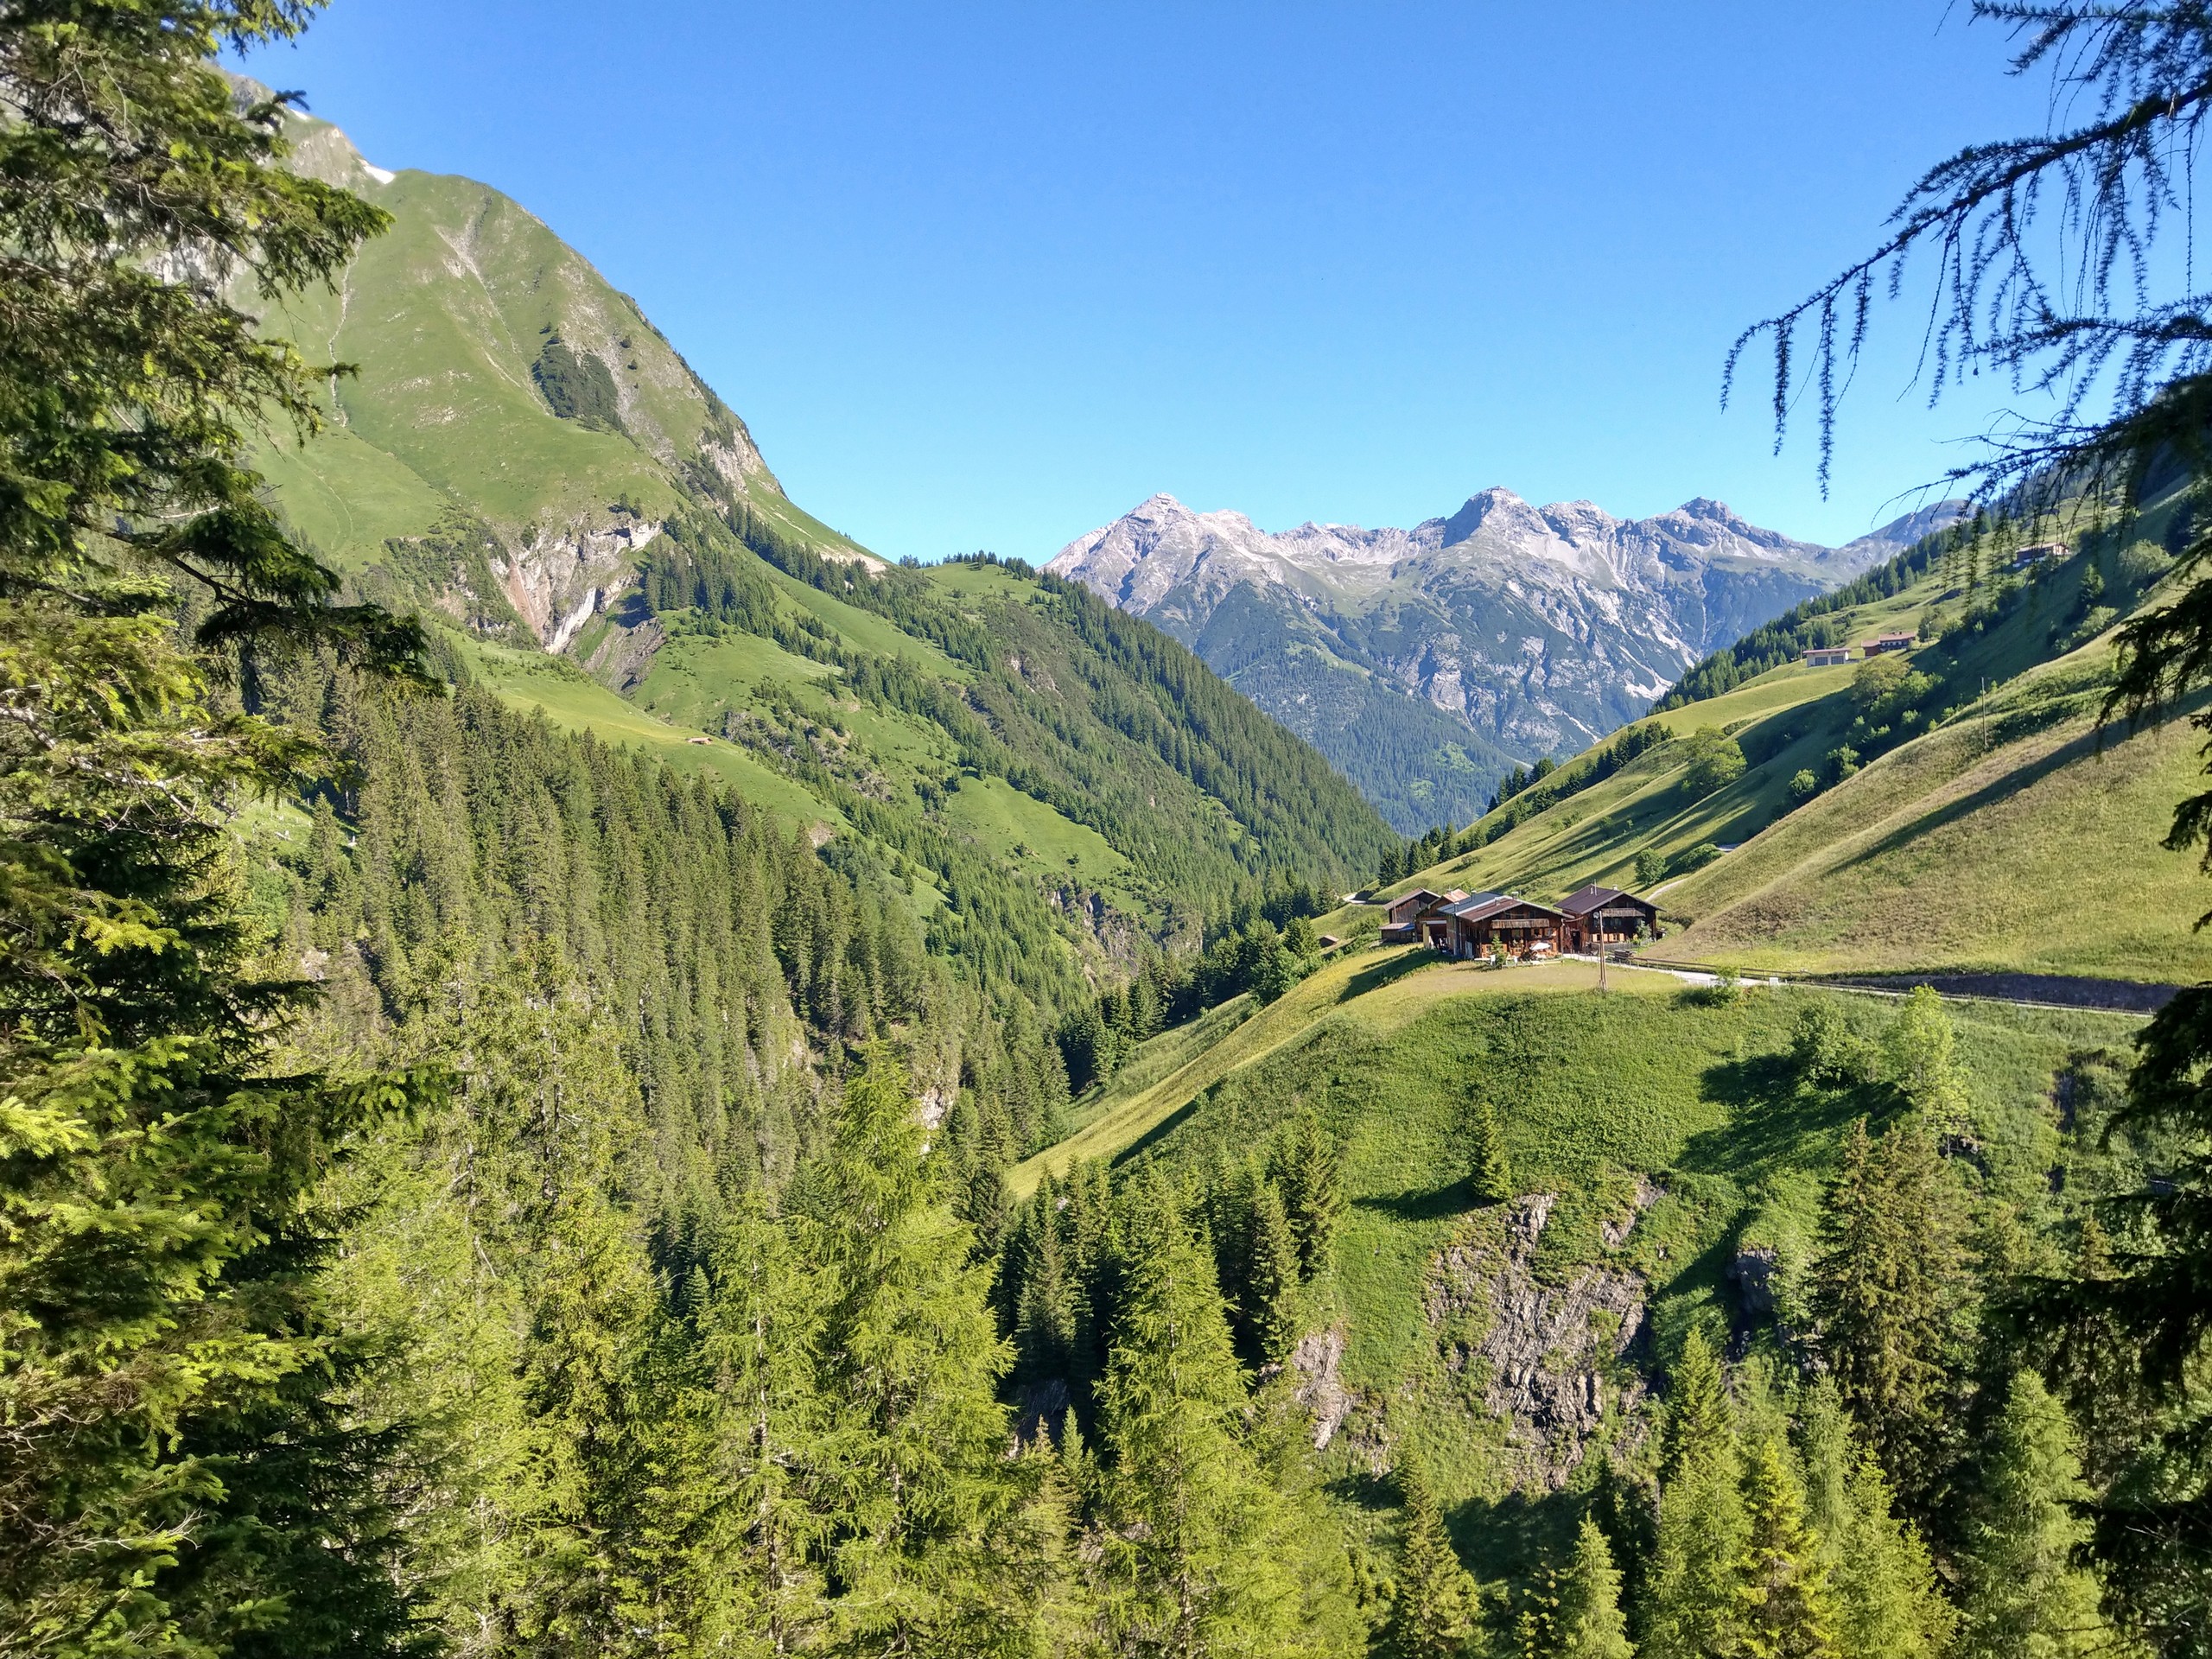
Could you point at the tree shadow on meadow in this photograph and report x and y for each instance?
(1412, 960)
(1434, 1203)
(1773, 1115)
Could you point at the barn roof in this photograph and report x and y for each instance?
(1589, 898)
(1482, 905)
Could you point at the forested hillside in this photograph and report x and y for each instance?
(526, 462)
(598, 1071)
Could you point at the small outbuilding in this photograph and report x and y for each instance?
(1827, 656)
(1399, 914)
(2037, 553)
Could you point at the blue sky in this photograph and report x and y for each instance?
(985, 277)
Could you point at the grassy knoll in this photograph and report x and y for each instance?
(1656, 1115)
(1990, 845)
(1381, 989)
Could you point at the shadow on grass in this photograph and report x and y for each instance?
(1431, 1206)
(1519, 1535)
(1411, 959)
(1772, 1116)
(1159, 1132)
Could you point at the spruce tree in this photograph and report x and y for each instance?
(1271, 1285)
(1886, 1596)
(1437, 1610)
(1887, 1291)
(2024, 1592)
(1310, 1167)
(1045, 1316)
(1192, 1559)
(1695, 1603)
(180, 1471)
(1787, 1612)
(1623, 1509)
(1489, 1175)
(1583, 1617)
(913, 1459)
(759, 1344)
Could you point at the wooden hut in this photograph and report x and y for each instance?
(1599, 917)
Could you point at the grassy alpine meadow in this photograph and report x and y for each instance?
(1995, 826)
(574, 702)
(1667, 1122)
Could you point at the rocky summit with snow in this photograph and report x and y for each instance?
(1425, 662)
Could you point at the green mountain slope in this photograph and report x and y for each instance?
(520, 455)
(1980, 821)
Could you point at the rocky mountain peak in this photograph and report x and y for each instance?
(1536, 630)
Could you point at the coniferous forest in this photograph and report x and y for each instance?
(468, 1186)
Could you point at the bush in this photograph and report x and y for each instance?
(1837, 765)
(2094, 622)
(1826, 1050)
(1803, 787)
(1697, 858)
(1651, 868)
(2142, 564)
(1276, 972)
(1716, 760)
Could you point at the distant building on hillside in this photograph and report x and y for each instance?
(1882, 642)
(1597, 918)
(2037, 553)
(1827, 656)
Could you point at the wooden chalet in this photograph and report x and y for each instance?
(1601, 918)
(2037, 555)
(1882, 642)
(1477, 921)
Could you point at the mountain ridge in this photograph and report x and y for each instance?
(1495, 634)
(526, 462)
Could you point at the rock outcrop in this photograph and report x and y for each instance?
(1548, 1360)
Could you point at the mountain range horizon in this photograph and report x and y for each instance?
(1427, 663)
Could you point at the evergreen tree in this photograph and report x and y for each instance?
(1787, 1612)
(2024, 1593)
(1887, 1600)
(180, 1474)
(1192, 1547)
(1271, 1287)
(1622, 1511)
(1696, 1597)
(1437, 1610)
(1887, 1291)
(1044, 1317)
(2132, 1329)
(914, 1460)
(1310, 1169)
(760, 1343)
(1488, 1174)
(1580, 1616)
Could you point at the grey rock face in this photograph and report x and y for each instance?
(1546, 1359)
(1426, 662)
